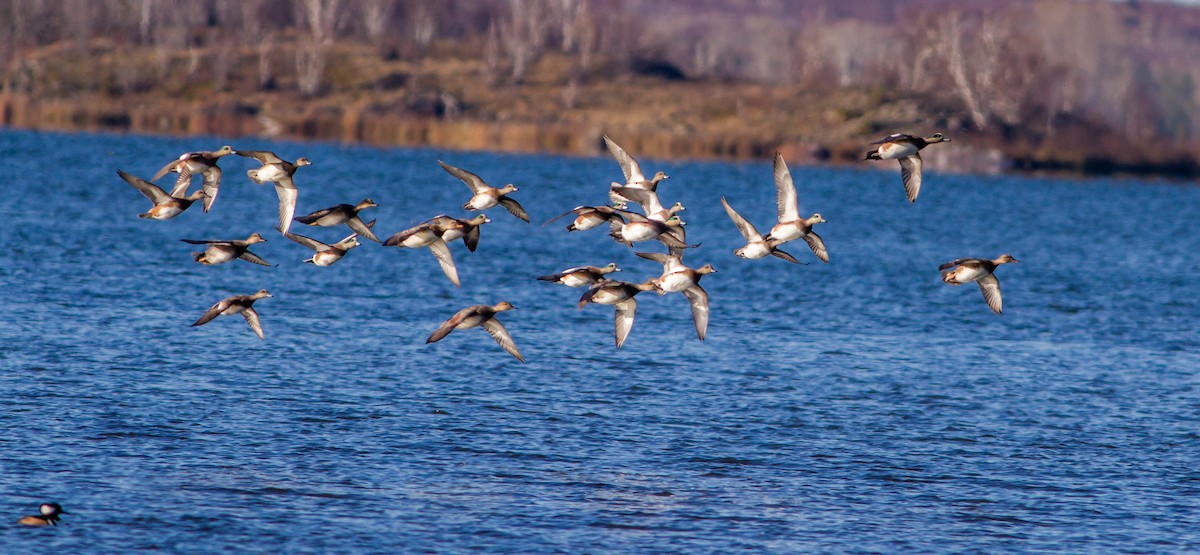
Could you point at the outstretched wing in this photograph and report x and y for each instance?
(263, 156)
(817, 245)
(255, 323)
(212, 312)
(698, 298)
(150, 190)
(497, 331)
(514, 208)
(307, 241)
(991, 292)
(363, 230)
(212, 183)
(251, 257)
(910, 172)
(448, 326)
(629, 166)
(785, 192)
(287, 192)
(442, 252)
(745, 227)
(473, 181)
(623, 319)
(784, 255)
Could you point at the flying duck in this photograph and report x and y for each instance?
(981, 271)
(906, 149)
(342, 214)
(581, 275)
(452, 229)
(791, 226)
(480, 315)
(203, 163)
(222, 251)
(327, 254)
(641, 228)
(756, 246)
(678, 278)
(237, 304)
(620, 295)
(278, 171)
(165, 206)
(427, 235)
(633, 173)
(485, 196)
(588, 217)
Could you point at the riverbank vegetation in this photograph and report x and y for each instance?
(1092, 86)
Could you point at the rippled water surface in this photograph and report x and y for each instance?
(856, 406)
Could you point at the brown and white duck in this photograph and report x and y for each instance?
(220, 251)
(326, 255)
(648, 200)
(620, 295)
(427, 235)
(202, 163)
(237, 304)
(47, 516)
(756, 246)
(486, 196)
(640, 228)
(679, 278)
(280, 172)
(453, 229)
(791, 226)
(981, 271)
(581, 275)
(480, 315)
(165, 206)
(906, 149)
(633, 174)
(342, 214)
(588, 217)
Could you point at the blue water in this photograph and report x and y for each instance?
(856, 407)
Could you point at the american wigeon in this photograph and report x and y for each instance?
(476, 316)
(981, 271)
(165, 206)
(633, 174)
(48, 516)
(906, 149)
(581, 275)
(220, 251)
(280, 172)
(485, 196)
(327, 254)
(203, 163)
(427, 235)
(756, 246)
(791, 226)
(342, 214)
(678, 278)
(452, 229)
(237, 304)
(588, 217)
(648, 200)
(620, 295)
(640, 228)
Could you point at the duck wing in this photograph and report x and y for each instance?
(263, 156)
(623, 319)
(307, 241)
(448, 326)
(252, 318)
(629, 166)
(817, 245)
(363, 230)
(698, 298)
(212, 312)
(473, 181)
(212, 183)
(442, 252)
(991, 292)
(910, 172)
(470, 238)
(287, 192)
(150, 190)
(497, 331)
(780, 253)
(514, 208)
(310, 219)
(647, 199)
(892, 137)
(785, 192)
(745, 227)
(251, 257)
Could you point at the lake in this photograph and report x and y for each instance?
(860, 406)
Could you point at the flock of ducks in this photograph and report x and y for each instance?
(653, 221)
